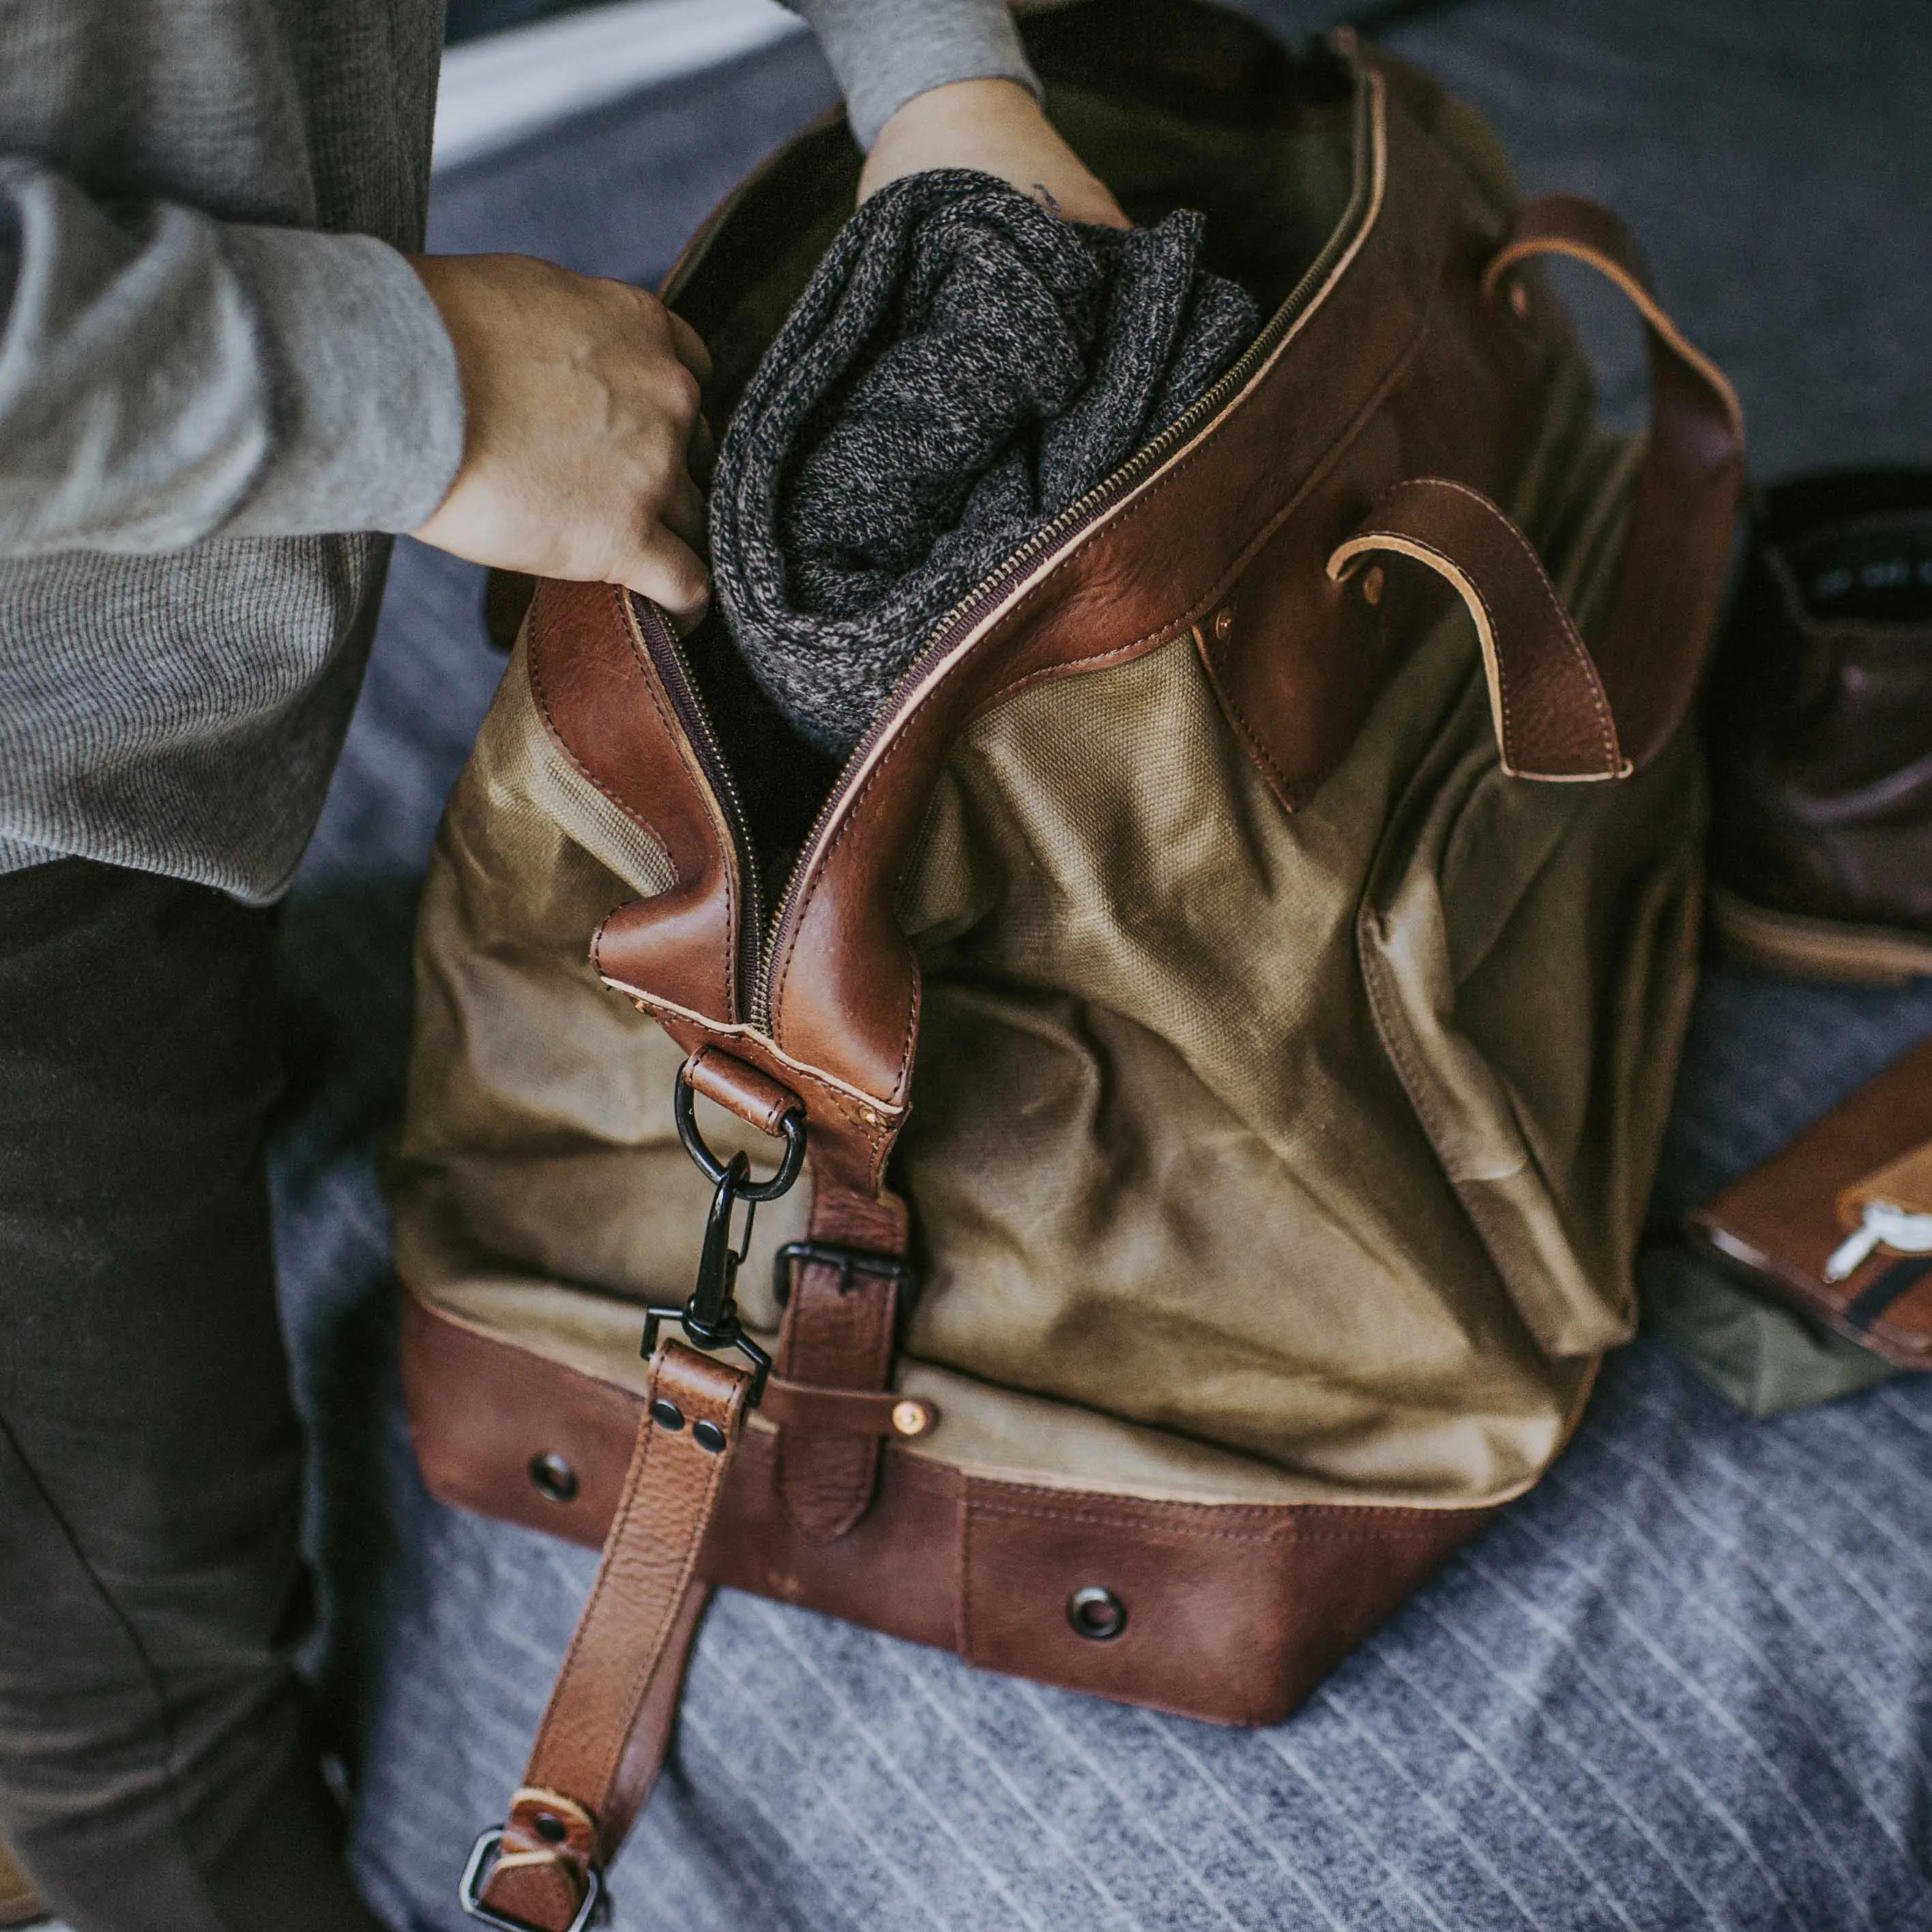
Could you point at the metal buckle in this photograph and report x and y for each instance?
(478, 1870)
(709, 1318)
(849, 1262)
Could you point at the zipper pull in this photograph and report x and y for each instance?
(1883, 1225)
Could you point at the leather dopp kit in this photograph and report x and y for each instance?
(1122, 1176)
(1838, 1225)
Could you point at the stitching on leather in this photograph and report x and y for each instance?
(638, 1686)
(1231, 707)
(1094, 660)
(1352, 434)
(1408, 1530)
(626, 1503)
(914, 1007)
(965, 1513)
(850, 1107)
(639, 1680)
(1641, 296)
(1461, 581)
(994, 1493)
(1579, 651)
(1208, 1518)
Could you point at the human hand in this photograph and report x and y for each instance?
(581, 399)
(997, 126)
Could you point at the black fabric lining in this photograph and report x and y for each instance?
(1870, 1302)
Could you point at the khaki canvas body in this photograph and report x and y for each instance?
(1271, 1068)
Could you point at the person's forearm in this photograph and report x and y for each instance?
(167, 378)
(885, 52)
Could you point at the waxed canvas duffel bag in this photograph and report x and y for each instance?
(1219, 1022)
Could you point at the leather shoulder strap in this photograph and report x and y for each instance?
(604, 1731)
(1663, 602)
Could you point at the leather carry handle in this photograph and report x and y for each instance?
(1562, 710)
(604, 1731)
(1670, 576)
(1552, 719)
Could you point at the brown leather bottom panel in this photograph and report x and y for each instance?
(1228, 1611)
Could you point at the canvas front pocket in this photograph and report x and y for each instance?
(1529, 953)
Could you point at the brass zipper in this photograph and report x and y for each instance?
(674, 670)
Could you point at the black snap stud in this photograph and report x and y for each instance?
(550, 1828)
(553, 1478)
(708, 1435)
(1096, 1613)
(666, 1413)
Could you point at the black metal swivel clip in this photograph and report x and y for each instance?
(709, 1318)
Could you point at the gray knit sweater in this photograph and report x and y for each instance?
(964, 366)
(219, 383)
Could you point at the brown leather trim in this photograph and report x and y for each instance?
(838, 1332)
(850, 1134)
(1553, 720)
(602, 1733)
(1677, 542)
(474, 1398)
(755, 1097)
(806, 1409)
(604, 705)
(1233, 1611)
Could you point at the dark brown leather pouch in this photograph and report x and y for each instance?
(1839, 1223)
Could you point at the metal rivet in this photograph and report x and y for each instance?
(666, 1413)
(911, 1418)
(553, 1478)
(1096, 1613)
(1519, 299)
(707, 1435)
(1372, 584)
(1224, 622)
(550, 1828)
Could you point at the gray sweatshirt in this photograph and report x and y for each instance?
(221, 382)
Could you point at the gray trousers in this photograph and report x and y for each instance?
(158, 1769)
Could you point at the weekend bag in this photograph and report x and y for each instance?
(1198, 1066)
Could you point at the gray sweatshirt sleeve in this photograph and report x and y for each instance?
(886, 51)
(165, 377)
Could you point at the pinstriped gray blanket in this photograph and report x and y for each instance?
(1687, 1684)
